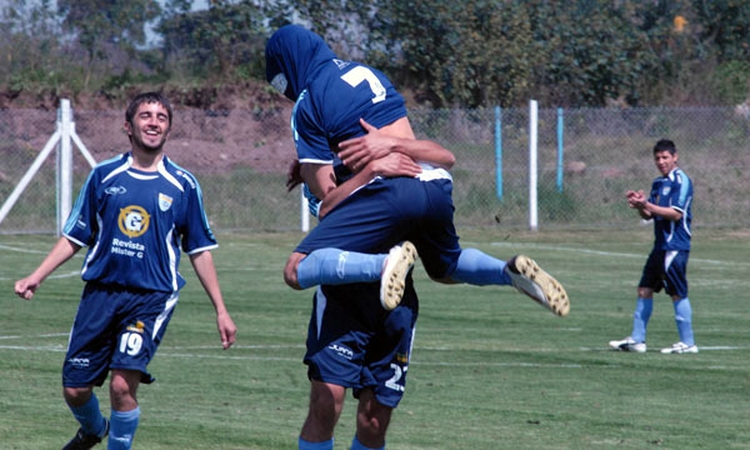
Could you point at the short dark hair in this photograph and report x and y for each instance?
(665, 145)
(147, 97)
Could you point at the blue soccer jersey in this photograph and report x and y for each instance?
(132, 221)
(673, 191)
(331, 95)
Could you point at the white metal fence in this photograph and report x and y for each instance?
(586, 160)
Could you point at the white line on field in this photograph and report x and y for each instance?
(701, 348)
(77, 273)
(606, 253)
(21, 249)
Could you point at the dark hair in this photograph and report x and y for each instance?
(665, 145)
(147, 97)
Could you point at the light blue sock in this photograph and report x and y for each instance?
(335, 266)
(122, 426)
(304, 445)
(643, 309)
(480, 269)
(356, 445)
(683, 317)
(89, 416)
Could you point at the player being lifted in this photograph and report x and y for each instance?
(351, 109)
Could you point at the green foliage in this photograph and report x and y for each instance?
(726, 24)
(477, 53)
(732, 81)
(226, 39)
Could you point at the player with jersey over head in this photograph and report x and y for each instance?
(135, 213)
(336, 102)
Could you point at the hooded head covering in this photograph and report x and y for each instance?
(293, 55)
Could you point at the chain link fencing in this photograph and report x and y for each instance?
(587, 159)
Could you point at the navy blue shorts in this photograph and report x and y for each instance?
(115, 328)
(666, 269)
(389, 211)
(353, 342)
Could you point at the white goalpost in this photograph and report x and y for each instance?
(65, 132)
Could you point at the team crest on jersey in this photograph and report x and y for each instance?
(665, 190)
(165, 202)
(133, 221)
(136, 327)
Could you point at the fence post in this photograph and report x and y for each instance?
(304, 212)
(533, 131)
(560, 149)
(499, 152)
(64, 173)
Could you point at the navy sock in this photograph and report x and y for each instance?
(89, 416)
(304, 445)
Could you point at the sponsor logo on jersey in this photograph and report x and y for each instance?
(165, 202)
(133, 221)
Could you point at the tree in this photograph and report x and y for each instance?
(222, 39)
(100, 26)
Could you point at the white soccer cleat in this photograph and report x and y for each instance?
(628, 345)
(544, 289)
(401, 259)
(681, 347)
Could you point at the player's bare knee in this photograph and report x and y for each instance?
(77, 396)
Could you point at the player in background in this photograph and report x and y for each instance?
(364, 216)
(669, 206)
(135, 213)
(336, 101)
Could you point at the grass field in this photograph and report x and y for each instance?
(490, 368)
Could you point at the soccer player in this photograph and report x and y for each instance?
(364, 218)
(135, 213)
(669, 206)
(337, 101)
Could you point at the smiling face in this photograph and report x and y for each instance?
(149, 127)
(665, 161)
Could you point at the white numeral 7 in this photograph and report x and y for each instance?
(360, 74)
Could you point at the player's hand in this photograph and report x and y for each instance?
(356, 153)
(227, 330)
(395, 165)
(293, 176)
(636, 199)
(25, 288)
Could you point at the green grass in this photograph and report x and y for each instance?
(490, 369)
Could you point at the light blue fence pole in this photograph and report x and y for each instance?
(559, 149)
(498, 152)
